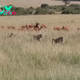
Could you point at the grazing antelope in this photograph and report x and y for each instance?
(23, 26)
(65, 28)
(38, 29)
(31, 26)
(23, 29)
(13, 27)
(37, 37)
(9, 27)
(57, 40)
(2, 26)
(57, 28)
(43, 25)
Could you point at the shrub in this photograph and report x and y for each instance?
(74, 5)
(67, 11)
(19, 11)
(46, 9)
(51, 12)
(70, 10)
(44, 5)
(30, 10)
(41, 11)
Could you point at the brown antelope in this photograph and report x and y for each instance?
(9, 27)
(23, 26)
(44, 26)
(13, 27)
(57, 28)
(2, 26)
(65, 28)
(30, 26)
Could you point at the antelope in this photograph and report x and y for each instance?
(37, 37)
(57, 28)
(65, 28)
(57, 40)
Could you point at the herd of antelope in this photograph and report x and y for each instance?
(38, 27)
(63, 28)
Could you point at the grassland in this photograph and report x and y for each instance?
(22, 58)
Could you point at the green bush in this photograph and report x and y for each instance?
(56, 8)
(74, 5)
(40, 10)
(51, 12)
(67, 11)
(44, 5)
(30, 10)
(70, 10)
(46, 9)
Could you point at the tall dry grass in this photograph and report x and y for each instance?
(22, 58)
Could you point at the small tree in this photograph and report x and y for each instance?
(44, 5)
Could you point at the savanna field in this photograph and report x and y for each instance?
(23, 58)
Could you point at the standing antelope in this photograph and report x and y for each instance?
(65, 28)
(57, 40)
(37, 37)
